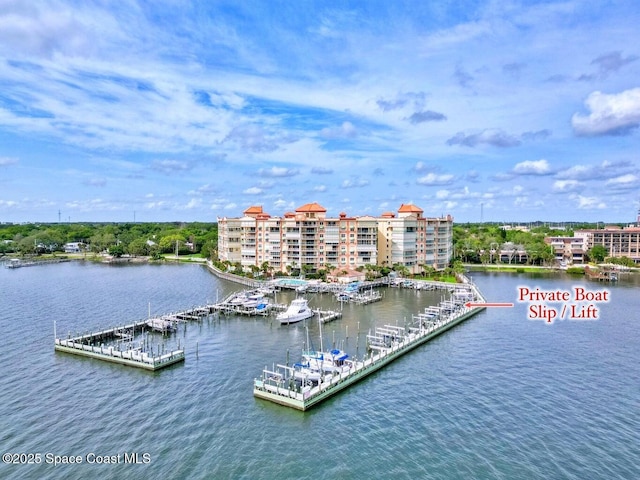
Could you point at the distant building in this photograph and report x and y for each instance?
(512, 253)
(619, 242)
(74, 247)
(568, 250)
(520, 228)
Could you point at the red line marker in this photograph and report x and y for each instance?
(472, 305)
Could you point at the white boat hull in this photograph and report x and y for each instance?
(294, 318)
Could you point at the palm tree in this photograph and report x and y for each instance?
(266, 268)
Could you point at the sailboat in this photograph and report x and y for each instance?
(333, 361)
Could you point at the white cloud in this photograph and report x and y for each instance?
(561, 186)
(41, 32)
(579, 172)
(193, 203)
(624, 181)
(320, 188)
(605, 170)
(614, 114)
(252, 191)
(588, 203)
(530, 167)
(282, 204)
(493, 137)
(434, 179)
(278, 172)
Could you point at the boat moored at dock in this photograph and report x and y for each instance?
(298, 310)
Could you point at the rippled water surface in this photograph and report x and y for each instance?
(499, 396)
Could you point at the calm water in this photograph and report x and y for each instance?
(499, 396)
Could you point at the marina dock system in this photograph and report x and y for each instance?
(141, 356)
(118, 345)
(292, 386)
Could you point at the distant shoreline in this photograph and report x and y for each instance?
(110, 260)
(472, 267)
(104, 259)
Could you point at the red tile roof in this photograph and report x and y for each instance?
(311, 207)
(253, 210)
(409, 208)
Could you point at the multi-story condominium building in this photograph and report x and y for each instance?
(308, 239)
(412, 240)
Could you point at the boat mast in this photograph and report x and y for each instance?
(320, 328)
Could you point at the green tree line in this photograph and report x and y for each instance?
(482, 243)
(137, 239)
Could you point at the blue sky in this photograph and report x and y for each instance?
(170, 110)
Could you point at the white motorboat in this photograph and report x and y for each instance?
(298, 310)
(253, 299)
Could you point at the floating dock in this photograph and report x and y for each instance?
(92, 345)
(365, 298)
(328, 315)
(117, 344)
(248, 302)
(281, 385)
